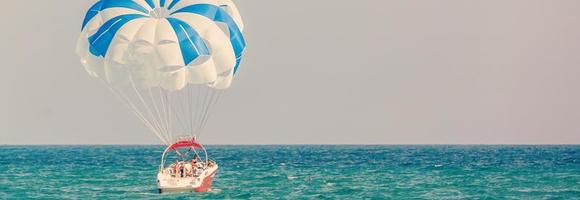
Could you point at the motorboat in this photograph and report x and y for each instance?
(187, 173)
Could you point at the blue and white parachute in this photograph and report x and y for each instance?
(155, 55)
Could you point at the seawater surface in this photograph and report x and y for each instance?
(299, 172)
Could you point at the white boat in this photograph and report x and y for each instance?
(186, 176)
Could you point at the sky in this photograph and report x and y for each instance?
(325, 72)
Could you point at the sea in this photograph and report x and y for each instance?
(299, 172)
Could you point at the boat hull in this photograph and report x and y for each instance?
(203, 183)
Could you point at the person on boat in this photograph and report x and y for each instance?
(188, 169)
(196, 162)
(193, 166)
(171, 170)
(175, 168)
(181, 169)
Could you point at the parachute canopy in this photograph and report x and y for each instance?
(168, 60)
(162, 43)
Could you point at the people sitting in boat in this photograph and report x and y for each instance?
(188, 170)
(174, 168)
(182, 168)
(195, 165)
(196, 162)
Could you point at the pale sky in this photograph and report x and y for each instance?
(325, 72)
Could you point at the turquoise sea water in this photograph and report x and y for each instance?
(299, 172)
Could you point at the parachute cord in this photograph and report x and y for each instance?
(160, 119)
(201, 110)
(181, 109)
(147, 122)
(202, 92)
(205, 108)
(187, 109)
(210, 110)
(124, 99)
(163, 101)
(169, 113)
(220, 93)
(191, 110)
(206, 111)
(177, 114)
(145, 104)
(166, 112)
(194, 94)
(197, 108)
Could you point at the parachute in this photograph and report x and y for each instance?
(169, 61)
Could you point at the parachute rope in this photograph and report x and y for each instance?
(159, 119)
(123, 98)
(155, 122)
(208, 110)
(159, 113)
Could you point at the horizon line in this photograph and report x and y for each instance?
(338, 144)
